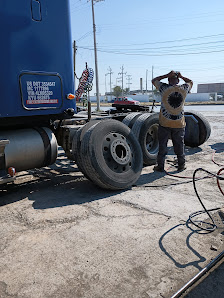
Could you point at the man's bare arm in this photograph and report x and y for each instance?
(186, 80)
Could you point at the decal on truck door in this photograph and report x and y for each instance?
(41, 91)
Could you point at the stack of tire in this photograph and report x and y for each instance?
(111, 153)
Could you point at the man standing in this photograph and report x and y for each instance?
(171, 118)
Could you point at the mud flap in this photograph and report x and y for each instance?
(3, 143)
(4, 177)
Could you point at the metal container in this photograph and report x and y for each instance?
(30, 148)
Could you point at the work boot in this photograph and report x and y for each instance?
(181, 167)
(158, 168)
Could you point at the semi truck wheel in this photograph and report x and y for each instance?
(113, 156)
(130, 119)
(197, 129)
(145, 129)
(76, 145)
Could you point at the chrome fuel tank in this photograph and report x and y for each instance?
(30, 148)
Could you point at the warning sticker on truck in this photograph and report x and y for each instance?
(41, 90)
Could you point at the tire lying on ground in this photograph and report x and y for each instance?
(145, 129)
(111, 155)
(197, 129)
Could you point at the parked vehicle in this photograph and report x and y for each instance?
(125, 103)
(38, 104)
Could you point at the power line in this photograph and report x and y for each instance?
(84, 36)
(183, 17)
(176, 40)
(171, 47)
(82, 6)
(197, 47)
(154, 55)
(156, 24)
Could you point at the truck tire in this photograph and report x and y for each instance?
(76, 145)
(113, 156)
(196, 132)
(130, 119)
(145, 129)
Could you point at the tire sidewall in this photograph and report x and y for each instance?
(96, 157)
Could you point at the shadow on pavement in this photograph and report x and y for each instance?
(170, 254)
(58, 185)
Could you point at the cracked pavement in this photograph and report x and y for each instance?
(61, 236)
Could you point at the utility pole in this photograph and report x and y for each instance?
(106, 83)
(152, 84)
(110, 73)
(129, 83)
(117, 80)
(106, 98)
(122, 73)
(95, 53)
(74, 58)
(146, 81)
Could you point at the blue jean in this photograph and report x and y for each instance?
(177, 137)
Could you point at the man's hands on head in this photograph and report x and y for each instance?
(171, 74)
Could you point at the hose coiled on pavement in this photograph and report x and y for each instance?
(212, 225)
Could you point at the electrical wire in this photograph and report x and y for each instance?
(84, 36)
(153, 55)
(172, 41)
(168, 21)
(167, 47)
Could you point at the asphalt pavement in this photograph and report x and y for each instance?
(62, 236)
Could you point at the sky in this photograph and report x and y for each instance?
(150, 38)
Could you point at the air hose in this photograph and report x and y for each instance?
(213, 157)
(212, 225)
(192, 215)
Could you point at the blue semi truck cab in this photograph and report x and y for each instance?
(36, 79)
(36, 62)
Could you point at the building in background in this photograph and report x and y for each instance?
(211, 88)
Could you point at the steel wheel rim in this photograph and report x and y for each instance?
(117, 152)
(151, 139)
